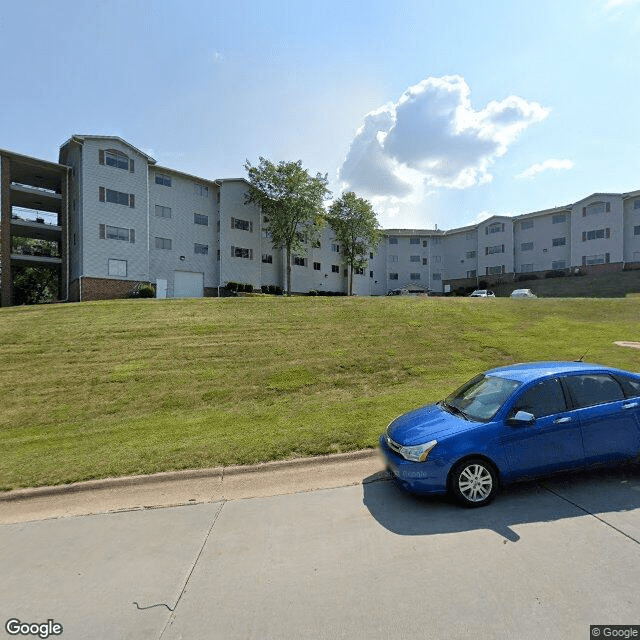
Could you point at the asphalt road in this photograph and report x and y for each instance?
(359, 560)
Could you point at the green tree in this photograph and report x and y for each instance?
(291, 201)
(354, 222)
(34, 284)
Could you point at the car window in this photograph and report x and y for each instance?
(630, 386)
(481, 397)
(543, 399)
(589, 390)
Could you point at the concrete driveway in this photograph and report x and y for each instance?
(545, 560)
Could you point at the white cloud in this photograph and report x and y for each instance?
(613, 4)
(539, 167)
(432, 137)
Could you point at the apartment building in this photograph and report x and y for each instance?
(115, 218)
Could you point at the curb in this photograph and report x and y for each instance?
(187, 474)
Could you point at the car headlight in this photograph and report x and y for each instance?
(417, 452)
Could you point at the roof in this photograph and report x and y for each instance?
(81, 138)
(528, 371)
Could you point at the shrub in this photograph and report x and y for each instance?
(231, 286)
(264, 288)
(312, 292)
(146, 291)
(555, 274)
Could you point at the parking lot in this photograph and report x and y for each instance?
(545, 560)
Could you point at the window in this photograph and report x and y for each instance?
(201, 190)
(596, 234)
(107, 232)
(526, 246)
(499, 248)
(163, 212)
(526, 224)
(425, 261)
(589, 390)
(495, 227)
(240, 252)
(267, 258)
(558, 218)
(163, 243)
(299, 262)
(470, 235)
(494, 271)
(371, 274)
(317, 266)
(556, 265)
(630, 386)
(636, 230)
(202, 249)
(393, 258)
(471, 254)
(543, 399)
(198, 218)
(414, 258)
(115, 158)
(359, 271)
(436, 240)
(116, 197)
(636, 204)
(118, 268)
(436, 276)
(600, 258)
(335, 248)
(316, 245)
(559, 242)
(471, 274)
(393, 240)
(596, 208)
(335, 268)
(425, 243)
(243, 225)
(526, 268)
(393, 276)
(436, 259)
(414, 276)
(163, 179)
(414, 240)
(370, 255)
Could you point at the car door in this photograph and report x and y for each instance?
(553, 442)
(608, 419)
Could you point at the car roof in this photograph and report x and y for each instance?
(527, 371)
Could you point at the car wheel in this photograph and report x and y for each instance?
(474, 482)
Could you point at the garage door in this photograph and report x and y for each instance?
(188, 284)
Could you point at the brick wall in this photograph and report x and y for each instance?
(106, 289)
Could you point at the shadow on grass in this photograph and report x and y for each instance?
(600, 492)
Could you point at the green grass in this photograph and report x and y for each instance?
(137, 386)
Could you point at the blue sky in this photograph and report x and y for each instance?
(439, 112)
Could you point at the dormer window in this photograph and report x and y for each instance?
(115, 158)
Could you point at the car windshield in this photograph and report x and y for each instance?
(480, 398)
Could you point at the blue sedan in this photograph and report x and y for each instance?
(513, 423)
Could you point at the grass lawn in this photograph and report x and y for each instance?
(123, 387)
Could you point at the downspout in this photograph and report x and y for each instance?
(218, 224)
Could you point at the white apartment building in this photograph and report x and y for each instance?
(120, 219)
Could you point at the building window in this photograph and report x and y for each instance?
(496, 227)
(393, 276)
(116, 197)
(370, 255)
(414, 276)
(359, 271)
(163, 179)
(163, 243)
(371, 274)
(471, 274)
(436, 276)
(335, 268)
(526, 246)
(393, 240)
(436, 240)
(267, 258)
(559, 242)
(299, 261)
(243, 225)
(498, 248)
(317, 266)
(198, 218)
(559, 264)
(201, 190)
(118, 268)
(393, 258)
(114, 158)
(436, 259)
(470, 235)
(425, 261)
(636, 204)
(107, 232)
(414, 240)
(425, 243)
(596, 234)
(558, 218)
(335, 248)
(414, 258)
(163, 212)
(316, 244)
(526, 224)
(470, 254)
(596, 208)
(202, 249)
(602, 258)
(636, 230)
(526, 268)
(494, 271)
(240, 252)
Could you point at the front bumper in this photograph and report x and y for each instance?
(429, 477)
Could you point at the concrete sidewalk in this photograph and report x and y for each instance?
(189, 487)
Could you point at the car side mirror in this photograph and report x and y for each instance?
(522, 418)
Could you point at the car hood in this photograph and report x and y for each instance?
(426, 423)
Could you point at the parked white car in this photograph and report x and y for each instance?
(482, 293)
(523, 293)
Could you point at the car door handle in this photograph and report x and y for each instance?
(561, 420)
(630, 405)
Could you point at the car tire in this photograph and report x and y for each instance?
(474, 482)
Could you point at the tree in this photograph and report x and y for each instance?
(354, 222)
(291, 201)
